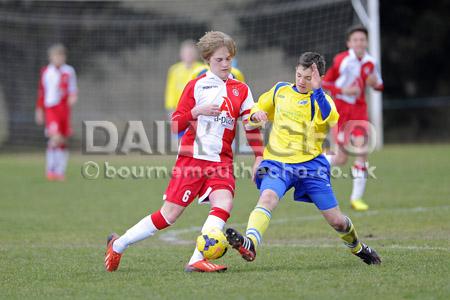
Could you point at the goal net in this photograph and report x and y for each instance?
(122, 50)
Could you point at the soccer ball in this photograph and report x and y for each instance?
(212, 244)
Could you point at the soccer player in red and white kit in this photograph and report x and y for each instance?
(57, 93)
(351, 72)
(208, 111)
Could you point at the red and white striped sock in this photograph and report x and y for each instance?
(142, 230)
(216, 219)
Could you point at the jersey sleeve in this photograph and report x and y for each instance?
(183, 115)
(380, 84)
(246, 108)
(237, 74)
(252, 132)
(333, 115)
(266, 103)
(41, 91)
(199, 71)
(170, 96)
(329, 80)
(73, 87)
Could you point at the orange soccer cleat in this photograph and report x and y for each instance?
(51, 176)
(204, 266)
(112, 258)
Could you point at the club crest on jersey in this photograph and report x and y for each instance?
(302, 102)
(235, 92)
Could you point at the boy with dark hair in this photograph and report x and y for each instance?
(302, 115)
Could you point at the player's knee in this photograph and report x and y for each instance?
(269, 199)
(222, 199)
(55, 140)
(340, 159)
(338, 222)
(171, 212)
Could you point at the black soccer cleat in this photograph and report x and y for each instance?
(242, 244)
(368, 255)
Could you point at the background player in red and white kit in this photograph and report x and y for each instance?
(351, 72)
(57, 93)
(208, 110)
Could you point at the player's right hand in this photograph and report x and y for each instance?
(206, 110)
(351, 91)
(259, 116)
(39, 116)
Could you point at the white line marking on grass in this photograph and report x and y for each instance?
(299, 244)
(173, 236)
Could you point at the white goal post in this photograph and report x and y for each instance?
(371, 20)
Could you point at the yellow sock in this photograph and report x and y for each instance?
(350, 237)
(257, 224)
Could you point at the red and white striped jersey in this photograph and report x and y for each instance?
(55, 85)
(348, 70)
(210, 137)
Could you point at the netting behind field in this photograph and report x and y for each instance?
(122, 50)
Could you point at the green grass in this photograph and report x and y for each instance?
(52, 236)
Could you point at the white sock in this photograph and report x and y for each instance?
(359, 183)
(61, 157)
(50, 159)
(211, 222)
(142, 230)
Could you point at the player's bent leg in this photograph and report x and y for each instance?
(257, 224)
(244, 245)
(221, 201)
(347, 232)
(145, 228)
(171, 211)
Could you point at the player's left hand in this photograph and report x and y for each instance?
(316, 81)
(258, 161)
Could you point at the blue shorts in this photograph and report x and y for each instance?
(311, 180)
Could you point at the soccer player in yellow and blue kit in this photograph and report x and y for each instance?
(302, 115)
(180, 73)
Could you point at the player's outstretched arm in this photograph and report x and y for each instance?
(316, 80)
(259, 116)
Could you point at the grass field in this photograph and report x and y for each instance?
(52, 236)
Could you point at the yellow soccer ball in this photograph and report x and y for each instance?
(212, 244)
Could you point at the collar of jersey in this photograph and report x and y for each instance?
(353, 54)
(210, 74)
(52, 66)
(296, 90)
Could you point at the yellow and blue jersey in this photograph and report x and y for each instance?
(236, 73)
(300, 122)
(177, 78)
